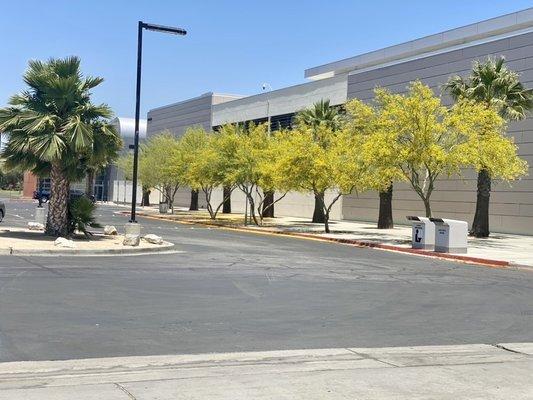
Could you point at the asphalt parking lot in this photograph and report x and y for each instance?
(233, 291)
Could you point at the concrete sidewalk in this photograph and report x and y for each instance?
(429, 372)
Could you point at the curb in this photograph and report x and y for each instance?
(166, 246)
(359, 243)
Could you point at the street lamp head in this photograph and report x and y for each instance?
(163, 28)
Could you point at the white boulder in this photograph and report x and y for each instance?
(131, 240)
(66, 243)
(151, 238)
(35, 226)
(110, 230)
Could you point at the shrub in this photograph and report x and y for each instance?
(81, 215)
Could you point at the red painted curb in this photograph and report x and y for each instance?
(355, 242)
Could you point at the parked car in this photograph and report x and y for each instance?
(43, 195)
(2, 211)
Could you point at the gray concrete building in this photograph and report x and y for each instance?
(177, 117)
(431, 59)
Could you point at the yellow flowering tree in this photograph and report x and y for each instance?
(254, 170)
(413, 137)
(376, 136)
(486, 148)
(209, 158)
(335, 164)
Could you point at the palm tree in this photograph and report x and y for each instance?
(51, 130)
(320, 113)
(491, 83)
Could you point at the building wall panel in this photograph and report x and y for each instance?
(511, 205)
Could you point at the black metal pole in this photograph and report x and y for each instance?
(137, 115)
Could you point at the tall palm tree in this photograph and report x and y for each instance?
(491, 83)
(320, 113)
(50, 129)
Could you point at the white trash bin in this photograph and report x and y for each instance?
(423, 233)
(450, 235)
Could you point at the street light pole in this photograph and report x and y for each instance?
(265, 85)
(137, 115)
(150, 27)
(268, 201)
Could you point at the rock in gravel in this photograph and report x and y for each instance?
(110, 230)
(131, 240)
(35, 226)
(151, 238)
(66, 243)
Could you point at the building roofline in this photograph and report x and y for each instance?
(208, 94)
(487, 30)
(267, 95)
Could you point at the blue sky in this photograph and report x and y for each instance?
(232, 46)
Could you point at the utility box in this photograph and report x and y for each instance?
(163, 208)
(450, 235)
(40, 215)
(423, 233)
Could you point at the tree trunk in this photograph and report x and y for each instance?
(480, 226)
(146, 197)
(385, 220)
(194, 200)
(268, 205)
(318, 214)
(252, 209)
(226, 208)
(326, 222)
(89, 183)
(427, 206)
(57, 221)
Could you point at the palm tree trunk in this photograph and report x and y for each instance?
(480, 226)
(385, 220)
(268, 206)
(194, 200)
(89, 183)
(318, 213)
(57, 222)
(226, 208)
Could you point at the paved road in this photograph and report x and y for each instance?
(233, 291)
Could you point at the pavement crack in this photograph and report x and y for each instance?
(369, 357)
(39, 265)
(128, 393)
(499, 346)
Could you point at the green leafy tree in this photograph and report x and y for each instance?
(125, 165)
(494, 85)
(50, 129)
(321, 113)
(10, 178)
(160, 166)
